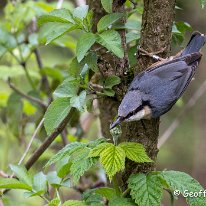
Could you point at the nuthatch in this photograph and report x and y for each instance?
(154, 91)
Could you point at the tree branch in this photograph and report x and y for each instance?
(31, 140)
(30, 98)
(49, 140)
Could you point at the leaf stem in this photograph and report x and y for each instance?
(115, 185)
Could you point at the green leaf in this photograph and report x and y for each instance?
(81, 163)
(57, 15)
(121, 201)
(53, 179)
(112, 159)
(22, 174)
(131, 36)
(91, 61)
(7, 183)
(54, 202)
(79, 101)
(67, 151)
(146, 190)
(111, 81)
(74, 203)
(107, 20)
(106, 192)
(94, 143)
(40, 183)
(183, 182)
(84, 43)
(56, 113)
(81, 12)
(112, 41)
(68, 88)
(54, 30)
(96, 151)
(92, 198)
(109, 92)
(135, 152)
(107, 5)
(63, 167)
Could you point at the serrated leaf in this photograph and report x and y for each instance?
(122, 201)
(96, 151)
(7, 183)
(112, 41)
(107, 5)
(84, 43)
(68, 88)
(107, 20)
(54, 202)
(182, 182)
(22, 174)
(94, 143)
(81, 163)
(67, 151)
(146, 190)
(112, 159)
(91, 198)
(112, 81)
(57, 15)
(106, 192)
(56, 113)
(79, 101)
(135, 152)
(40, 182)
(74, 203)
(81, 12)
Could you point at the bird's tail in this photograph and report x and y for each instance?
(196, 42)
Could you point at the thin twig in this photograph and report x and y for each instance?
(196, 96)
(47, 142)
(31, 140)
(30, 98)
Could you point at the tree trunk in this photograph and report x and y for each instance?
(156, 30)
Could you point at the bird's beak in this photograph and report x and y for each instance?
(118, 121)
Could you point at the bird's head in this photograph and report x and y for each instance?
(132, 108)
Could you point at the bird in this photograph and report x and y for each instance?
(154, 91)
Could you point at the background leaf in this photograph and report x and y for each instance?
(81, 12)
(56, 113)
(22, 174)
(8, 183)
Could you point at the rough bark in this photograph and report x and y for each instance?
(157, 22)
